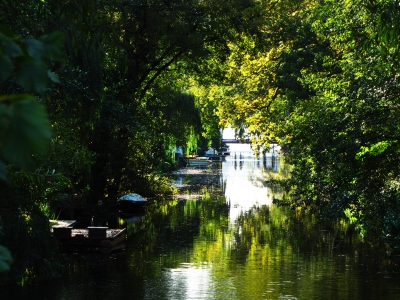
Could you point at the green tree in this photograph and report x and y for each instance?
(156, 45)
(329, 96)
(24, 126)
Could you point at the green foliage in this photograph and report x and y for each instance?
(375, 149)
(329, 96)
(27, 58)
(25, 221)
(40, 258)
(5, 259)
(25, 129)
(385, 18)
(142, 77)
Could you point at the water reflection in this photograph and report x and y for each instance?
(189, 282)
(238, 247)
(245, 186)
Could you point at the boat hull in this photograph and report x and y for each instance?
(130, 207)
(99, 239)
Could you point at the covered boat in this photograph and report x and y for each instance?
(131, 203)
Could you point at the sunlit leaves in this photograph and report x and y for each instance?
(375, 149)
(330, 99)
(344, 142)
(265, 82)
(384, 33)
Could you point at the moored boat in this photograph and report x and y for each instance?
(92, 238)
(131, 203)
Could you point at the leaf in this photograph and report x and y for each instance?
(26, 130)
(34, 48)
(5, 259)
(54, 45)
(7, 31)
(3, 170)
(6, 67)
(10, 47)
(53, 77)
(32, 75)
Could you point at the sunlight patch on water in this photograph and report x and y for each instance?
(242, 172)
(189, 282)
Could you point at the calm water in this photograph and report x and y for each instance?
(234, 247)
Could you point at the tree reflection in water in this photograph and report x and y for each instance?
(226, 240)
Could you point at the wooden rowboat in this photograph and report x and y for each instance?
(92, 238)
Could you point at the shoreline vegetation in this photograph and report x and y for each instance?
(96, 98)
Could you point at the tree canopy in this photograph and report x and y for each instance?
(96, 96)
(104, 90)
(324, 85)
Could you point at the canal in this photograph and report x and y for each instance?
(224, 239)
